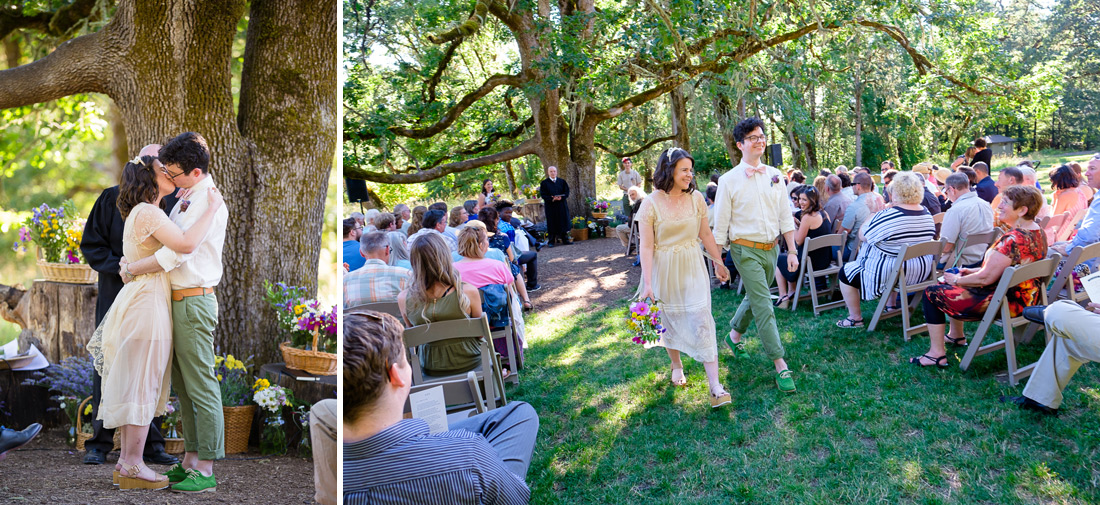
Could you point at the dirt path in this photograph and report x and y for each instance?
(47, 471)
(584, 276)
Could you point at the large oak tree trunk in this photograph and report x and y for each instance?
(678, 110)
(166, 65)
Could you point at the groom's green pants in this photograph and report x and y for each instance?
(193, 322)
(757, 270)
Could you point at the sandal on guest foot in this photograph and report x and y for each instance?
(720, 398)
(849, 323)
(959, 342)
(527, 305)
(783, 302)
(940, 361)
(683, 378)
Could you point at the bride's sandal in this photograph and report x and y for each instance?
(719, 399)
(128, 479)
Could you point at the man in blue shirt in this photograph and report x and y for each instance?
(352, 231)
(986, 188)
(388, 459)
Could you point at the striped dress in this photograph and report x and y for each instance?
(887, 234)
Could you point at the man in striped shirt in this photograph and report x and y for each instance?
(376, 280)
(391, 460)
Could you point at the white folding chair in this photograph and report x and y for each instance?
(998, 313)
(810, 275)
(1069, 225)
(965, 241)
(488, 372)
(897, 280)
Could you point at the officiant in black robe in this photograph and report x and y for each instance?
(555, 195)
(102, 249)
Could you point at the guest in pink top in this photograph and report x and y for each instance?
(1068, 196)
(474, 267)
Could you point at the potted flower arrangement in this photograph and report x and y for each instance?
(599, 209)
(530, 193)
(171, 427)
(234, 379)
(580, 228)
(271, 400)
(57, 233)
(311, 330)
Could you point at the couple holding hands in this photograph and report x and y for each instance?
(159, 330)
(751, 212)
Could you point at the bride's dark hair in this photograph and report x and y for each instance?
(138, 185)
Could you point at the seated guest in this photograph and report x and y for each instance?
(1031, 178)
(1068, 196)
(481, 271)
(1080, 171)
(376, 280)
(455, 220)
(358, 217)
(368, 220)
(528, 260)
(352, 231)
(970, 175)
(965, 296)
(813, 223)
(885, 235)
(500, 241)
(505, 225)
(836, 203)
(403, 215)
(436, 293)
(506, 216)
(712, 193)
(1072, 342)
(793, 190)
(940, 175)
(434, 222)
(417, 219)
(471, 209)
(887, 178)
(385, 222)
(968, 215)
(1088, 232)
(442, 206)
(928, 199)
(322, 437)
(399, 251)
(391, 460)
(1010, 176)
(985, 187)
(846, 187)
(857, 213)
(925, 171)
(636, 196)
(820, 184)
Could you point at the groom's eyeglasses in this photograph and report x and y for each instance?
(170, 176)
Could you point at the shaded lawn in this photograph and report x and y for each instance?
(864, 426)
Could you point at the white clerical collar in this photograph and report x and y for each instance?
(553, 179)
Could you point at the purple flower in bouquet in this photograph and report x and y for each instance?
(71, 258)
(24, 234)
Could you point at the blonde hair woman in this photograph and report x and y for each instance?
(416, 219)
(885, 235)
(436, 293)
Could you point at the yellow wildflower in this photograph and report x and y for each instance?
(261, 384)
(88, 409)
(219, 377)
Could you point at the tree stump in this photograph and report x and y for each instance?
(61, 319)
(534, 212)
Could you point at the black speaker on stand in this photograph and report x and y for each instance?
(357, 191)
(775, 155)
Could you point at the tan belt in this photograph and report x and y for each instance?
(179, 294)
(754, 245)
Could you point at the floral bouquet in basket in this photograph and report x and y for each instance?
(56, 232)
(529, 191)
(601, 206)
(299, 317)
(644, 321)
(233, 379)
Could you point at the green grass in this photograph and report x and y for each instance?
(864, 426)
(8, 332)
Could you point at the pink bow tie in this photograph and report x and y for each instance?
(751, 171)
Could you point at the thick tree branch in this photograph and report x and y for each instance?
(468, 27)
(529, 146)
(448, 119)
(645, 146)
(446, 60)
(77, 66)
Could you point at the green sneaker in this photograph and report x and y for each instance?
(784, 381)
(738, 348)
(176, 474)
(196, 482)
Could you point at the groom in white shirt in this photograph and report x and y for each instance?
(186, 160)
(751, 213)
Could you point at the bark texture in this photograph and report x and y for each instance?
(166, 66)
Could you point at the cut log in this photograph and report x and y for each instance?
(57, 317)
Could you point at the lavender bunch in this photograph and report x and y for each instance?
(72, 378)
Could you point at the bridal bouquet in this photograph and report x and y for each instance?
(644, 322)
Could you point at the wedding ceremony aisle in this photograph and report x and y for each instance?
(864, 426)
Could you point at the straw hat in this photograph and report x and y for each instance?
(923, 168)
(942, 174)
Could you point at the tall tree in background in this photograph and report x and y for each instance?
(166, 66)
(456, 98)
